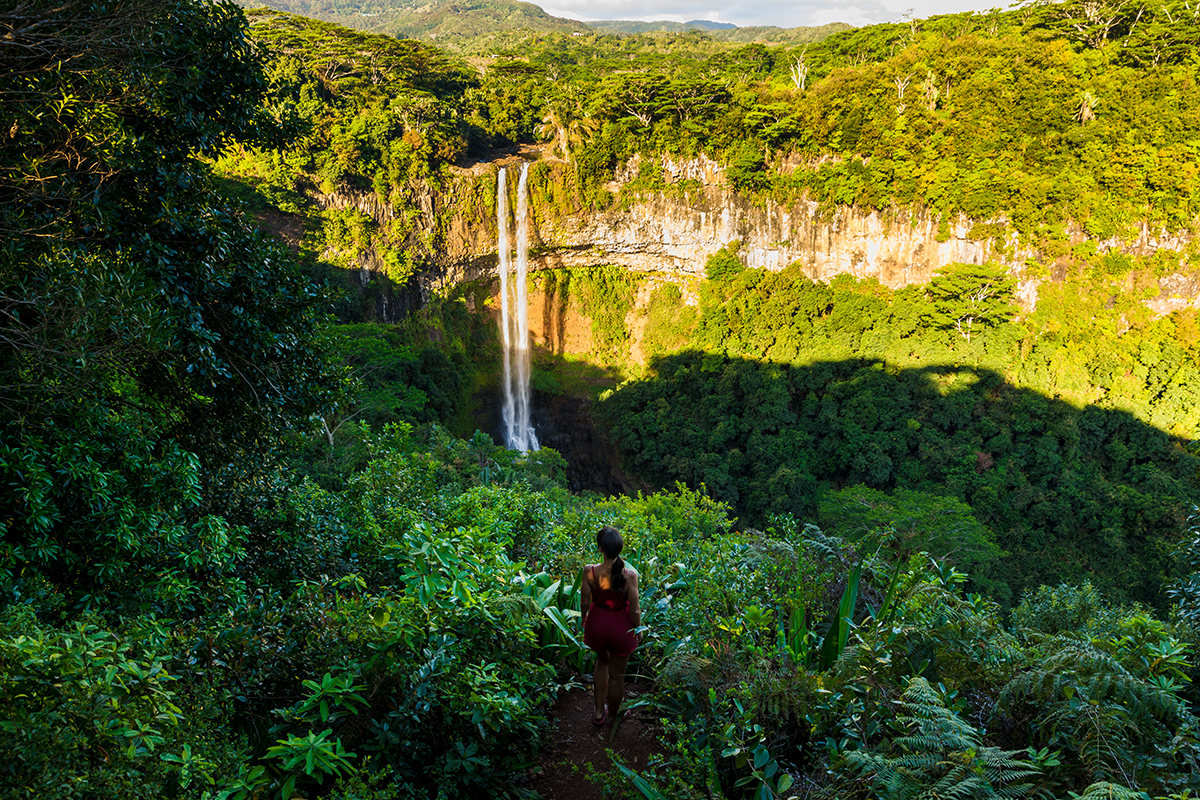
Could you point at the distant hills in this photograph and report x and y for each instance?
(720, 31)
(450, 21)
(638, 26)
(430, 20)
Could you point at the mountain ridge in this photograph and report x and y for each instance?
(442, 20)
(647, 26)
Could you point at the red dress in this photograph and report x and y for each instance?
(609, 626)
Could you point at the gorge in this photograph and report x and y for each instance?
(881, 350)
(671, 232)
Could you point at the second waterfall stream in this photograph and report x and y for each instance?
(514, 317)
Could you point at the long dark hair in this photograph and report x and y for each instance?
(610, 543)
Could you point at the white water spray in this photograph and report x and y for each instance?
(514, 333)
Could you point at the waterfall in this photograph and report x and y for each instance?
(508, 410)
(514, 327)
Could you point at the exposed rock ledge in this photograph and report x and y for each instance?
(896, 247)
(677, 234)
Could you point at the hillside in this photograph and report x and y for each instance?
(884, 353)
(778, 36)
(638, 26)
(487, 25)
(722, 32)
(439, 20)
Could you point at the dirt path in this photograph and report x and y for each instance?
(578, 743)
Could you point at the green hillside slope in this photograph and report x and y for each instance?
(452, 24)
(438, 20)
(225, 575)
(722, 32)
(639, 26)
(776, 35)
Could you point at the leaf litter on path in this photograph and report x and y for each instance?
(563, 766)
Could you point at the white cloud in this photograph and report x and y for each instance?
(787, 15)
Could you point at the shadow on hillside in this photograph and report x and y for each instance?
(565, 393)
(1071, 493)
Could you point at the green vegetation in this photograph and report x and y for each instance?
(380, 117)
(242, 559)
(918, 522)
(436, 20)
(1013, 121)
(152, 342)
(786, 391)
(722, 32)
(422, 371)
(639, 26)
(478, 25)
(669, 321)
(605, 295)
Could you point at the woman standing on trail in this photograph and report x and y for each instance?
(610, 616)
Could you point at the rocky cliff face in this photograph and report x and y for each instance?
(896, 247)
(674, 234)
(678, 234)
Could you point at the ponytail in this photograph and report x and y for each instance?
(609, 540)
(618, 575)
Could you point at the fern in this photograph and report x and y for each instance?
(1080, 667)
(1088, 701)
(684, 668)
(762, 552)
(830, 549)
(1103, 790)
(514, 606)
(942, 756)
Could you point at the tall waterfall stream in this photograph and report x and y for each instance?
(514, 321)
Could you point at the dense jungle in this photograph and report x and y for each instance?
(907, 527)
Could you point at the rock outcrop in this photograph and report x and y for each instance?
(675, 233)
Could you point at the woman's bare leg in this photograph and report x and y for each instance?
(616, 683)
(600, 682)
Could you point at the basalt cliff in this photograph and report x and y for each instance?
(672, 233)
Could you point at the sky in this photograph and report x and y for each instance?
(764, 12)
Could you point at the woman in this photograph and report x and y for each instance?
(610, 616)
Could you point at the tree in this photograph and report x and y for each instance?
(1163, 32)
(563, 124)
(639, 97)
(967, 297)
(724, 265)
(943, 526)
(1090, 22)
(747, 170)
(798, 69)
(148, 335)
(1185, 591)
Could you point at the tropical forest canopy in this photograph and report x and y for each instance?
(913, 542)
(453, 25)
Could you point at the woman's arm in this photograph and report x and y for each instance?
(631, 592)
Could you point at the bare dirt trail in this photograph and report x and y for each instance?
(578, 743)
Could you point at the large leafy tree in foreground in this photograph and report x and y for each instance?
(148, 336)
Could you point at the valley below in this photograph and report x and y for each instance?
(878, 348)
